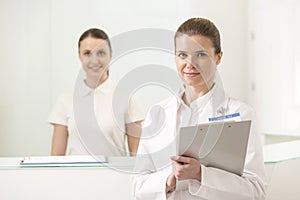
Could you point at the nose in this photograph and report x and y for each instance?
(190, 63)
(94, 59)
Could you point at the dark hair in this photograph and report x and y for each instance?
(201, 26)
(94, 33)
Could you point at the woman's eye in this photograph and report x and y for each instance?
(201, 54)
(87, 53)
(101, 53)
(182, 55)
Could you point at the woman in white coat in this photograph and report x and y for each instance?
(201, 100)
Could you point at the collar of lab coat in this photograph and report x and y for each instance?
(197, 103)
(216, 96)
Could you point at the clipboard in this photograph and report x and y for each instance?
(221, 145)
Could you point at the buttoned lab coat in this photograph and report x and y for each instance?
(157, 144)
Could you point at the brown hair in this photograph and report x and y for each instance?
(201, 26)
(94, 33)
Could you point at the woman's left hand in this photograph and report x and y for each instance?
(186, 168)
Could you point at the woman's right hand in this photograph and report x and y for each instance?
(186, 168)
(171, 183)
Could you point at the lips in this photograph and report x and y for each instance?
(191, 74)
(95, 68)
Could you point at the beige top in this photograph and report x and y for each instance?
(111, 121)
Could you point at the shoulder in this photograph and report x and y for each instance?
(238, 104)
(64, 103)
(162, 108)
(168, 102)
(109, 85)
(166, 106)
(61, 110)
(245, 110)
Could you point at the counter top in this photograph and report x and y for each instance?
(280, 152)
(113, 162)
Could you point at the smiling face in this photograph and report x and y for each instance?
(95, 55)
(196, 60)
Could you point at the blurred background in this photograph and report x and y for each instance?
(39, 58)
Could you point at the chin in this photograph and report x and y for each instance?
(94, 75)
(196, 83)
(192, 82)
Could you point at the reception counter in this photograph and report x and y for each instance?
(282, 162)
(112, 181)
(107, 181)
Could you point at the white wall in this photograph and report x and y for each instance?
(25, 77)
(273, 39)
(39, 54)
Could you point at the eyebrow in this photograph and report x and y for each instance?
(201, 51)
(94, 49)
(181, 51)
(102, 49)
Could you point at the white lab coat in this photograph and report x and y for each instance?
(153, 164)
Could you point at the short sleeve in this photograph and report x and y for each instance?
(134, 112)
(61, 110)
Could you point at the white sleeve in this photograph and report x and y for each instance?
(150, 186)
(134, 112)
(149, 183)
(59, 112)
(219, 184)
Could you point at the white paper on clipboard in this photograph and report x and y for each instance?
(221, 145)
